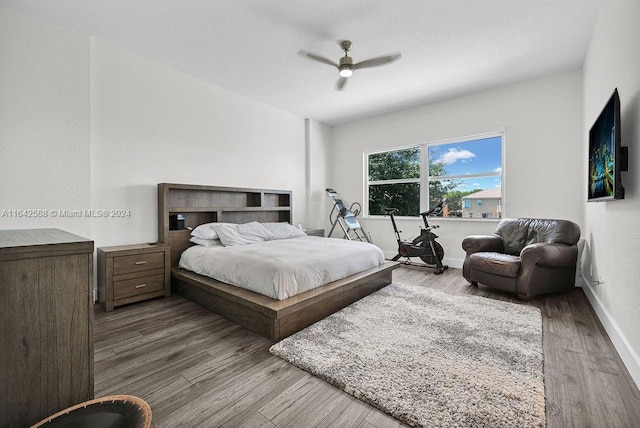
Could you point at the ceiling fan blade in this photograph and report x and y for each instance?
(374, 62)
(340, 83)
(318, 58)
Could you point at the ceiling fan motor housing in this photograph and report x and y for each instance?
(346, 63)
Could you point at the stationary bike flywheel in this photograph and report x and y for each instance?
(428, 258)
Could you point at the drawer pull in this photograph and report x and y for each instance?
(141, 263)
(141, 286)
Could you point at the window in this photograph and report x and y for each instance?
(465, 172)
(394, 181)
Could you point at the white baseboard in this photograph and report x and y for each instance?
(622, 345)
(454, 263)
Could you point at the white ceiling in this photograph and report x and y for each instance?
(449, 47)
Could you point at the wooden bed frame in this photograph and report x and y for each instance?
(271, 318)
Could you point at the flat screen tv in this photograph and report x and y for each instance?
(606, 155)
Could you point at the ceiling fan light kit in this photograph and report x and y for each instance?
(346, 71)
(346, 67)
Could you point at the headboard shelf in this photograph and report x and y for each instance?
(199, 204)
(179, 210)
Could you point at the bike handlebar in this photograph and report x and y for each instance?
(435, 210)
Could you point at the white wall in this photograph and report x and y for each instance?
(85, 125)
(544, 153)
(151, 125)
(44, 124)
(319, 160)
(612, 228)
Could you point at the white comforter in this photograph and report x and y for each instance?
(284, 267)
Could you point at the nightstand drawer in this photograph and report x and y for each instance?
(137, 286)
(138, 263)
(131, 273)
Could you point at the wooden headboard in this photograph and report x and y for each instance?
(206, 204)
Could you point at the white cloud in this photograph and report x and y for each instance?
(453, 155)
(498, 169)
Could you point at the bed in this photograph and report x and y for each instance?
(183, 207)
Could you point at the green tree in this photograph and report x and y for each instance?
(439, 189)
(403, 196)
(394, 165)
(403, 164)
(399, 164)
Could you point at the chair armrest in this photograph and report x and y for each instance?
(477, 243)
(549, 255)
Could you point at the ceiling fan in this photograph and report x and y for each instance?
(346, 67)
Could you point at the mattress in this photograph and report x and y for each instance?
(284, 267)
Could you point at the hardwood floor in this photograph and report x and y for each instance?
(196, 369)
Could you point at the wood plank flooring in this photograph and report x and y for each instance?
(196, 369)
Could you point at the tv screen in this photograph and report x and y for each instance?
(605, 154)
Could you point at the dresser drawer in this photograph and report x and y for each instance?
(137, 286)
(138, 263)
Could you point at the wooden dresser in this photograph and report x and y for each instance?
(46, 317)
(131, 273)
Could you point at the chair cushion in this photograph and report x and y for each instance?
(495, 263)
(517, 233)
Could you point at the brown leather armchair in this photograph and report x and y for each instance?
(525, 256)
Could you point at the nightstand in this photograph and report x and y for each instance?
(131, 273)
(314, 232)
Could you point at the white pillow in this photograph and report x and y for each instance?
(284, 230)
(242, 234)
(206, 242)
(206, 231)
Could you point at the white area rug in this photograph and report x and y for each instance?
(430, 358)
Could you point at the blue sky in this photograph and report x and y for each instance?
(471, 157)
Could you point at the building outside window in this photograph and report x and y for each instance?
(416, 178)
(490, 200)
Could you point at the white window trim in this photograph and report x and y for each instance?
(424, 174)
(399, 181)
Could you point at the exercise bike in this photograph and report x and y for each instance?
(425, 245)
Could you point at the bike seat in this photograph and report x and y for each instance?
(390, 210)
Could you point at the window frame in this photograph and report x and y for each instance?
(425, 179)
